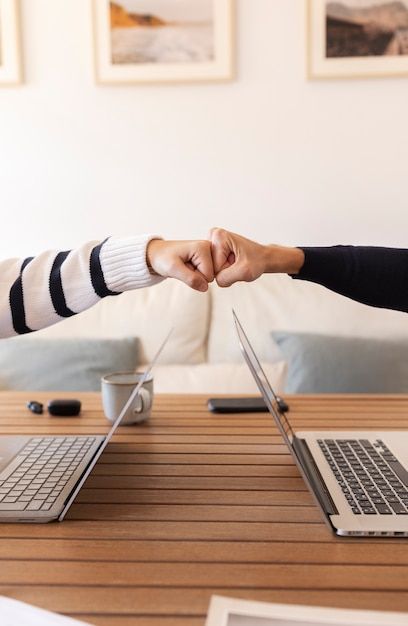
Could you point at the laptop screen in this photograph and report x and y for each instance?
(263, 383)
(115, 425)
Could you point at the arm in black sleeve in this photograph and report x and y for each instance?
(374, 276)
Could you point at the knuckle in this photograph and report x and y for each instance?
(194, 282)
(221, 281)
(223, 284)
(218, 234)
(204, 247)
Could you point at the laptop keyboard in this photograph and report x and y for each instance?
(371, 478)
(34, 479)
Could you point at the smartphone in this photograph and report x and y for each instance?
(237, 405)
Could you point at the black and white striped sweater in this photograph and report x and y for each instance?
(40, 291)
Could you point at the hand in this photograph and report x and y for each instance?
(188, 261)
(238, 259)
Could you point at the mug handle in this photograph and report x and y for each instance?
(145, 403)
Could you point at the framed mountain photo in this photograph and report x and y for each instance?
(357, 38)
(148, 41)
(10, 57)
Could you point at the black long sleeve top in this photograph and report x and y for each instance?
(374, 276)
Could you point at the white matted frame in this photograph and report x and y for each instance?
(231, 612)
(320, 66)
(221, 68)
(10, 53)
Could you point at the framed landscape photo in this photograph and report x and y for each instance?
(10, 58)
(153, 41)
(357, 38)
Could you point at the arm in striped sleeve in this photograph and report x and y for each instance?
(39, 291)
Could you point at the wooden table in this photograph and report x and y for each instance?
(193, 504)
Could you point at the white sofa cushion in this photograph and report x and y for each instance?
(277, 302)
(148, 314)
(220, 378)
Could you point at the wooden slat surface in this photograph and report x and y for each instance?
(192, 504)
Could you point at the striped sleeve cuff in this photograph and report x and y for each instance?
(124, 264)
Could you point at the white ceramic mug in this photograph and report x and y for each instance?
(116, 391)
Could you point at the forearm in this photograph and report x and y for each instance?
(374, 276)
(40, 291)
(370, 275)
(283, 260)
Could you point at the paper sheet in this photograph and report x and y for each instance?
(15, 613)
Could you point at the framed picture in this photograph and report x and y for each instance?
(232, 612)
(10, 59)
(149, 41)
(357, 38)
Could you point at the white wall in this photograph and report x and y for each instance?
(271, 155)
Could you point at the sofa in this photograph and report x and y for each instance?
(203, 355)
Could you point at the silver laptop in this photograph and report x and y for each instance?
(40, 477)
(359, 479)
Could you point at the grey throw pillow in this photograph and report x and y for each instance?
(63, 364)
(325, 364)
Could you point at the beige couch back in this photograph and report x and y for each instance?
(147, 314)
(203, 326)
(281, 303)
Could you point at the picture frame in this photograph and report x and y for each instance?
(175, 41)
(10, 53)
(357, 39)
(225, 611)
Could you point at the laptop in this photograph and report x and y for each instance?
(359, 479)
(40, 477)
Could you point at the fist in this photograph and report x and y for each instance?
(236, 258)
(188, 261)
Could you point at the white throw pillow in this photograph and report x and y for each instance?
(219, 378)
(148, 314)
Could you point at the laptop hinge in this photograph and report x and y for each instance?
(313, 475)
